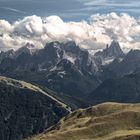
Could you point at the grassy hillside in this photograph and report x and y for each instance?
(26, 109)
(108, 121)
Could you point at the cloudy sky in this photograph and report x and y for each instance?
(67, 9)
(90, 23)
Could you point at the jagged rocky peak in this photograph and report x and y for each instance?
(112, 51)
(68, 46)
(115, 49)
(78, 56)
(71, 52)
(66, 50)
(7, 54)
(29, 45)
(27, 49)
(54, 44)
(71, 46)
(53, 50)
(133, 54)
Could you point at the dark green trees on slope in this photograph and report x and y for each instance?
(26, 110)
(125, 89)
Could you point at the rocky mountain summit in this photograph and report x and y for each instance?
(67, 69)
(62, 67)
(112, 51)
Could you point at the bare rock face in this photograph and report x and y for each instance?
(112, 51)
(26, 110)
(62, 67)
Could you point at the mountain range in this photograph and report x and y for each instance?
(60, 78)
(74, 74)
(64, 68)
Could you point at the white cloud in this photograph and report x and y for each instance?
(32, 26)
(93, 34)
(5, 26)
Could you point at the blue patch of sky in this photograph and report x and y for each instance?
(68, 10)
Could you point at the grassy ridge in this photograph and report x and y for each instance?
(108, 121)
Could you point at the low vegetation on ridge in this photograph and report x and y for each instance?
(107, 121)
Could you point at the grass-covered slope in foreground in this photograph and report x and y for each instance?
(26, 109)
(108, 121)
